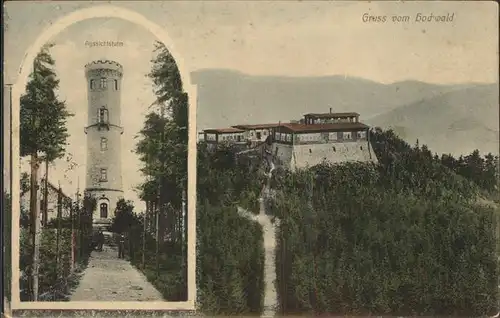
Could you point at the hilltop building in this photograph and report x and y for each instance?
(104, 130)
(330, 137)
(214, 137)
(255, 134)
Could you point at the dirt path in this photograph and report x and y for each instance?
(108, 278)
(270, 295)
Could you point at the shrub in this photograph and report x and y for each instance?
(230, 262)
(352, 243)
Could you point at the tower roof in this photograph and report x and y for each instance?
(104, 64)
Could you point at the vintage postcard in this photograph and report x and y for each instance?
(252, 158)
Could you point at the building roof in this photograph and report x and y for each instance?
(55, 188)
(257, 126)
(229, 130)
(322, 127)
(331, 115)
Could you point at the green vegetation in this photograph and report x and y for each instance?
(229, 247)
(7, 239)
(43, 136)
(161, 268)
(230, 261)
(58, 275)
(406, 237)
(162, 148)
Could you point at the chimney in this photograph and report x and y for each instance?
(330, 110)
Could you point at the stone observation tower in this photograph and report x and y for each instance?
(104, 130)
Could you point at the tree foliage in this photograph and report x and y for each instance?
(7, 239)
(406, 237)
(124, 217)
(43, 116)
(230, 253)
(162, 149)
(56, 279)
(43, 133)
(162, 145)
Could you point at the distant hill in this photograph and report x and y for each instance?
(228, 98)
(454, 122)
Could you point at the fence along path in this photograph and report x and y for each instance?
(108, 278)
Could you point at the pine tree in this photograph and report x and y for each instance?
(43, 134)
(163, 141)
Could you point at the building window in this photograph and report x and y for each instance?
(104, 83)
(92, 84)
(325, 136)
(310, 150)
(104, 143)
(104, 175)
(259, 135)
(103, 115)
(334, 150)
(347, 135)
(361, 135)
(104, 210)
(115, 82)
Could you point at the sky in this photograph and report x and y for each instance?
(282, 38)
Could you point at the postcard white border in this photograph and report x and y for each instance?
(104, 11)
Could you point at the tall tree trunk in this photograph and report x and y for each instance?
(72, 218)
(45, 218)
(58, 231)
(35, 225)
(144, 236)
(80, 230)
(183, 230)
(157, 252)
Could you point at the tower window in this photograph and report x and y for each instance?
(104, 210)
(104, 143)
(103, 115)
(115, 82)
(92, 84)
(104, 83)
(104, 175)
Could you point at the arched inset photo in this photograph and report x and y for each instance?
(100, 200)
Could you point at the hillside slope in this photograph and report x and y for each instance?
(454, 122)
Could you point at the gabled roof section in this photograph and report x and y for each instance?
(228, 130)
(256, 126)
(331, 115)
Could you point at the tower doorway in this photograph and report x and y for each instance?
(104, 210)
